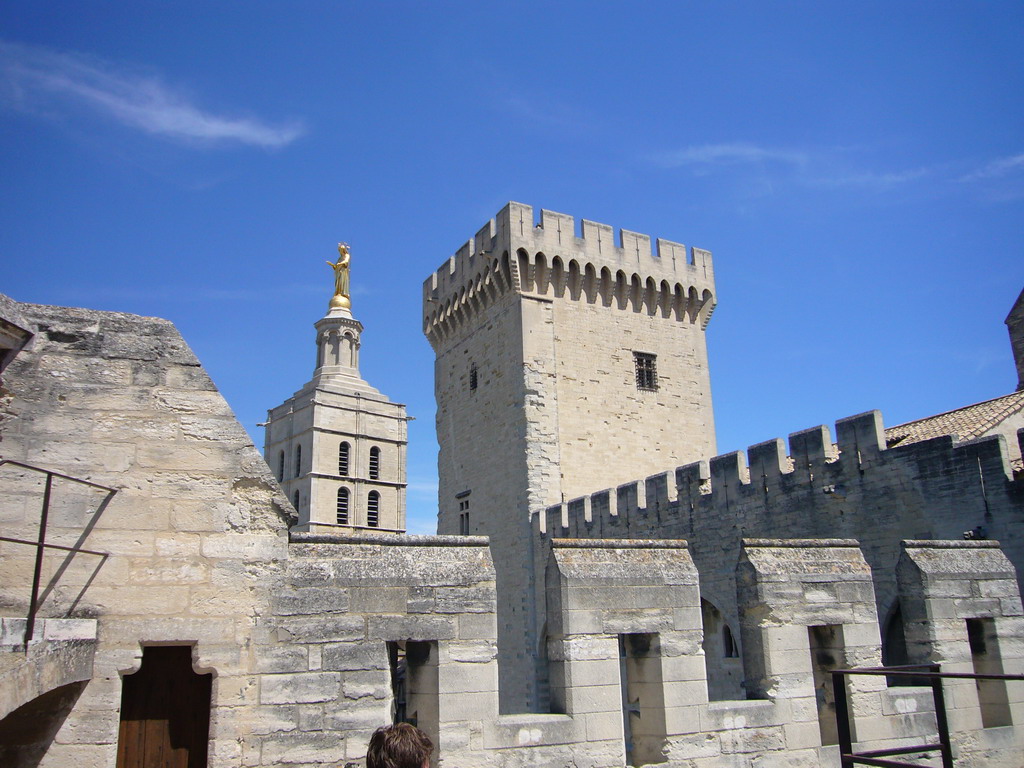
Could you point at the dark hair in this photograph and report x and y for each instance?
(398, 746)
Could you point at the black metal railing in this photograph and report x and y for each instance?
(40, 543)
(927, 674)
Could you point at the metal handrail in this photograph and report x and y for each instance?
(933, 673)
(40, 542)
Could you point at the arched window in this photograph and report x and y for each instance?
(343, 506)
(298, 460)
(343, 459)
(375, 463)
(295, 501)
(373, 509)
(729, 648)
(280, 466)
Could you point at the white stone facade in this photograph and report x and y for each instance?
(297, 632)
(540, 336)
(338, 446)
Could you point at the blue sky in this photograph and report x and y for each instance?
(857, 169)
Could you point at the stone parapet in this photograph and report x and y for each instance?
(548, 260)
(962, 610)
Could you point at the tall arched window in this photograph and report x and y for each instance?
(298, 460)
(280, 466)
(295, 501)
(375, 463)
(343, 506)
(373, 509)
(343, 459)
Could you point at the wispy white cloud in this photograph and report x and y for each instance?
(768, 166)
(31, 76)
(1000, 167)
(871, 178)
(548, 113)
(764, 168)
(729, 154)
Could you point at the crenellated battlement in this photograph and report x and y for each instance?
(549, 257)
(767, 492)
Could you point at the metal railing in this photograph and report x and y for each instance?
(924, 672)
(40, 542)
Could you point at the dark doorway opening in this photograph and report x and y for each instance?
(165, 712)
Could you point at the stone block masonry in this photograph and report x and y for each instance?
(855, 487)
(560, 357)
(309, 641)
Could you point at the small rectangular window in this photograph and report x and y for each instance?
(472, 376)
(646, 371)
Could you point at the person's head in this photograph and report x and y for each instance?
(399, 746)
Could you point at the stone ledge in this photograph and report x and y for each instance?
(620, 543)
(393, 540)
(949, 544)
(801, 543)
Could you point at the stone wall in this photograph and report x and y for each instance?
(195, 535)
(855, 488)
(314, 640)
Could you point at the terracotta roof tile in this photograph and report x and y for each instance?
(966, 423)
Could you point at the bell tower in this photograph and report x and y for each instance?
(338, 446)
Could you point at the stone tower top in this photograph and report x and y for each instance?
(514, 251)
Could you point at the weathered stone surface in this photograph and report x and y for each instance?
(296, 627)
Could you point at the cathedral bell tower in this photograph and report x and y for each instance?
(338, 446)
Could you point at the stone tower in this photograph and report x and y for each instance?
(565, 363)
(1015, 325)
(338, 446)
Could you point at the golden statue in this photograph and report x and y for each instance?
(341, 278)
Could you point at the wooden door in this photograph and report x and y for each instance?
(165, 712)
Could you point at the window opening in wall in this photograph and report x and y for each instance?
(646, 371)
(988, 660)
(343, 450)
(472, 376)
(373, 509)
(894, 648)
(280, 466)
(643, 698)
(463, 513)
(397, 664)
(295, 501)
(721, 655)
(165, 711)
(342, 506)
(828, 652)
(298, 460)
(414, 685)
(375, 463)
(730, 650)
